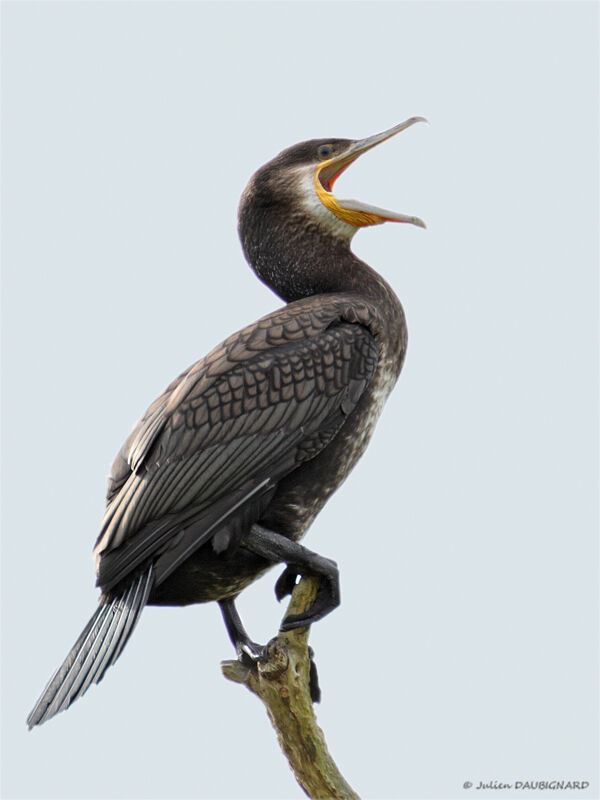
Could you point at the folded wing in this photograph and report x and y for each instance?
(221, 436)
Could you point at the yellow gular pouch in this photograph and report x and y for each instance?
(359, 219)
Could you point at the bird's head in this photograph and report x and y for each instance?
(299, 183)
(295, 232)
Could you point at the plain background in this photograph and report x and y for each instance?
(466, 645)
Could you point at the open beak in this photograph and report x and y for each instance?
(352, 211)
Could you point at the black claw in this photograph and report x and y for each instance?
(313, 678)
(250, 652)
(286, 582)
(327, 599)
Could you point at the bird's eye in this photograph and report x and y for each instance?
(325, 151)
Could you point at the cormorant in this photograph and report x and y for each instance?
(227, 469)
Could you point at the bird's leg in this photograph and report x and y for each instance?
(244, 646)
(301, 561)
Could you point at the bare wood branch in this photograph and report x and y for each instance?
(281, 681)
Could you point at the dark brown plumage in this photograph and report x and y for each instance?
(227, 469)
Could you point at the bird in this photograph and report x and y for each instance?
(225, 472)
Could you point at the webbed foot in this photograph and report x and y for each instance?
(328, 594)
(300, 561)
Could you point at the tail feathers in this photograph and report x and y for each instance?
(98, 646)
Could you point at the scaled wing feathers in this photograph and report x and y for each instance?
(265, 400)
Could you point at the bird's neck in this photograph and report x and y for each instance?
(296, 258)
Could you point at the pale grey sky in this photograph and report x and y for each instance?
(465, 648)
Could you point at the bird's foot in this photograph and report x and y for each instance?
(328, 594)
(301, 561)
(250, 653)
(313, 678)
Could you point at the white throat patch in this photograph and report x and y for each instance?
(325, 218)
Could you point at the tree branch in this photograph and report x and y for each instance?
(281, 681)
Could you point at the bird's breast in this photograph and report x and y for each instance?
(303, 493)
